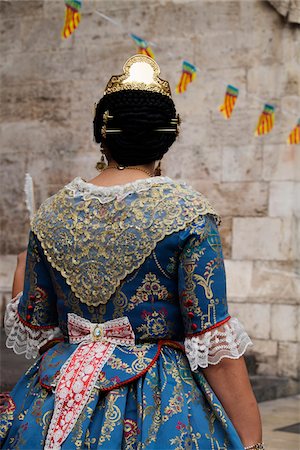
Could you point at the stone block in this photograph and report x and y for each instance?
(10, 36)
(196, 163)
(41, 101)
(296, 205)
(48, 30)
(266, 366)
(226, 236)
(255, 317)
(242, 124)
(23, 137)
(242, 163)
(288, 359)
(236, 198)
(276, 280)
(284, 322)
(265, 347)
(7, 269)
(262, 238)
(239, 279)
(283, 198)
(281, 162)
(15, 9)
(267, 80)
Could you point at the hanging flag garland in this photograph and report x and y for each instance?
(294, 137)
(143, 47)
(72, 17)
(230, 99)
(267, 117)
(266, 120)
(188, 75)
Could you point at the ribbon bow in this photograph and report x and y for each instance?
(79, 374)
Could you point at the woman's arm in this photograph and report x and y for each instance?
(230, 381)
(18, 283)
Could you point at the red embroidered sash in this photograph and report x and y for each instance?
(80, 372)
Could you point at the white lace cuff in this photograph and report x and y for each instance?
(226, 341)
(21, 338)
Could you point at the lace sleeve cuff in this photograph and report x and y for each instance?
(20, 337)
(227, 341)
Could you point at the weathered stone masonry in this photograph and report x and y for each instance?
(49, 86)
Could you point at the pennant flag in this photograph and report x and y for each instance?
(266, 120)
(294, 137)
(143, 46)
(230, 99)
(187, 76)
(72, 17)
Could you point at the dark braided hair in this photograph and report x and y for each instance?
(137, 113)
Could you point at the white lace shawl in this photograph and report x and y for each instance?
(226, 341)
(21, 338)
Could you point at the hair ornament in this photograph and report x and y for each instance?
(140, 72)
(106, 118)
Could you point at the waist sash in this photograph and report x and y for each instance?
(79, 374)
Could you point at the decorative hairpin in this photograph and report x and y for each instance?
(105, 130)
(106, 118)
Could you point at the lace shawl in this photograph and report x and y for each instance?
(96, 236)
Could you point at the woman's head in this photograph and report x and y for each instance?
(142, 123)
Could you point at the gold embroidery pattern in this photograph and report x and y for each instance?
(94, 246)
(7, 414)
(131, 431)
(151, 289)
(112, 417)
(156, 325)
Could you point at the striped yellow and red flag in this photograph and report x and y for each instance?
(188, 75)
(72, 17)
(230, 99)
(266, 120)
(143, 47)
(294, 136)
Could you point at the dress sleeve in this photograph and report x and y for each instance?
(211, 334)
(31, 317)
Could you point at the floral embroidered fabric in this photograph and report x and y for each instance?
(150, 252)
(20, 337)
(227, 341)
(123, 232)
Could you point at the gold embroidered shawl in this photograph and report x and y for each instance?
(96, 243)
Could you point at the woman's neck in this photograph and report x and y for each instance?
(112, 175)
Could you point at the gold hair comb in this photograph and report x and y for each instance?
(140, 72)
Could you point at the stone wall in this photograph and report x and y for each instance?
(49, 86)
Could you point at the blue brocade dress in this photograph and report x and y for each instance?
(124, 303)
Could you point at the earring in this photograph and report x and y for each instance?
(157, 170)
(101, 164)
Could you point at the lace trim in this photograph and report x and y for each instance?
(106, 194)
(21, 338)
(227, 341)
(95, 246)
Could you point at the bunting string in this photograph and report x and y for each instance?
(267, 117)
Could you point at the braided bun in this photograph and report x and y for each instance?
(137, 114)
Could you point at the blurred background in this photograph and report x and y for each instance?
(48, 89)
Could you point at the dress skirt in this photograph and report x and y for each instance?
(168, 407)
